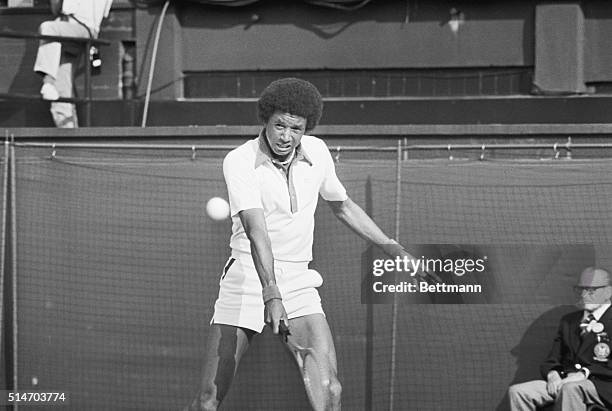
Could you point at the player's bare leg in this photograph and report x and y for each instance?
(312, 331)
(225, 347)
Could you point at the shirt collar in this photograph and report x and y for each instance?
(600, 311)
(263, 152)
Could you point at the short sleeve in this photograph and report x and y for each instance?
(331, 187)
(242, 187)
(107, 8)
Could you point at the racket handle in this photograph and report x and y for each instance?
(283, 330)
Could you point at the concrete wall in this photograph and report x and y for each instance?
(279, 35)
(294, 35)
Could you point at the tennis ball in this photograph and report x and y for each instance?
(217, 208)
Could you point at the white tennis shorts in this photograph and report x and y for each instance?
(240, 301)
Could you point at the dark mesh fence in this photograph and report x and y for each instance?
(118, 267)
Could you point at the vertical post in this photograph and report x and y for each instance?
(14, 268)
(87, 88)
(369, 348)
(5, 171)
(398, 201)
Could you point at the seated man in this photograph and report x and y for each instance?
(577, 371)
(274, 182)
(76, 18)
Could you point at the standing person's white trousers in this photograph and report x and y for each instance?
(57, 67)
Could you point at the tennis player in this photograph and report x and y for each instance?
(274, 182)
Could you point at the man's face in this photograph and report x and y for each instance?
(284, 132)
(591, 298)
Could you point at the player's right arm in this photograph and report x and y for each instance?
(254, 225)
(245, 202)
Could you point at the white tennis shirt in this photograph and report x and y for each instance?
(288, 201)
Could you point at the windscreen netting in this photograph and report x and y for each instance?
(5, 290)
(118, 269)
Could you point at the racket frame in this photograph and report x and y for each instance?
(302, 354)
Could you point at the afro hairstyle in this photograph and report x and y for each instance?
(291, 95)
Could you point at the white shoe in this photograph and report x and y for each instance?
(49, 92)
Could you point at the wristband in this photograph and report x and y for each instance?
(271, 292)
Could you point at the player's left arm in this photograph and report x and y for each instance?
(353, 216)
(345, 209)
(359, 221)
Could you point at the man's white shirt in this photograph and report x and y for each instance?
(597, 313)
(253, 181)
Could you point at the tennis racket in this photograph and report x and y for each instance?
(313, 368)
(395, 249)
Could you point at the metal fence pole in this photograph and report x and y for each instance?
(398, 202)
(5, 170)
(13, 217)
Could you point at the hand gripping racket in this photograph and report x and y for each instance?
(395, 249)
(313, 368)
